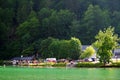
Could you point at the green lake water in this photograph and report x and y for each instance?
(25, 73)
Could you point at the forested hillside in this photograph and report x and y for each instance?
(25, 24)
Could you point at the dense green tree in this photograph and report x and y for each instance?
(65, 49)
(52, 18)
(28, 51)
(115, 18)
(6, 30)
(59, 49)
(115, 5)
(55, 49)
(77, 6)
(44, 13)
(106, 42)
(24, 9)
(28, 31)
(94, 19)
(3, 39)
(75, 48)
(44, 50)
(75, 28)
(3, 34)
(57, 25)
(37, 5)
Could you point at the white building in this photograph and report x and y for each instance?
(116, 53)
(51, 59)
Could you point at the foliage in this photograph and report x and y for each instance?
(1, 62)
(115, 64)
(89, 64)
(25, 23)
(28, 32)
(45, 52)
(28, 51)
(59, 65)
(106, 42)
(75, 48)
(89, 51)
(75, 28)
(57, 24)
(94, 19)
(61, 48)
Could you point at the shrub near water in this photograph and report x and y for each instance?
(117, 64)
(1, 62)
(59, 65)
(89, 64)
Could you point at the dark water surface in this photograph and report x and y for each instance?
(27, 73)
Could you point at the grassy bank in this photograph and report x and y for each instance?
(89, 64)
(59, 65)
(79, 65)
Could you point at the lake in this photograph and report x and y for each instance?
(28, 73)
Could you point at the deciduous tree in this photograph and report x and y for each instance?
(89, 51)
(106, 42)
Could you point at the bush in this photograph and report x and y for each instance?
(89, 64)
(1, 62)
(7, 62)
(117, 64)
(59, 65)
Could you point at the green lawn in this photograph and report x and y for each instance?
(20, 73)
